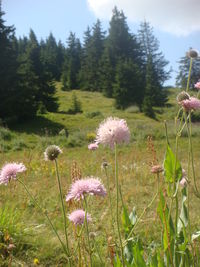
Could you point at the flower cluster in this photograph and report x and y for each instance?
(111, 131)
(192, 103)
(10, 171)
(89, 185)
(78, 217)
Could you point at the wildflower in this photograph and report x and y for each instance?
(78, 217)
(156, 169)
(52, 152)
(36, 261)
(93, 146)
(10, 170)
(191, 104)
(90, 185)
(197, 85)
(113, 130)
(192, 53)
(182, 96)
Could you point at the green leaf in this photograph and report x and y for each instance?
(138, 259)
(117, 262)
(168, 227)
(126, 222)
(171, 172)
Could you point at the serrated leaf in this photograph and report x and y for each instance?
(171, 172)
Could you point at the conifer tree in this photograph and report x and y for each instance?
(92, 53)
(49, 56)
(149, 46)
(120, 45)
(8, 68)
(184, 64)
(127, 85)
(72, 63)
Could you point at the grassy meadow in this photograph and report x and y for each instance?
(21, 222)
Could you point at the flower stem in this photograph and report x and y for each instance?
(117, 206)
(141, 215)
(87, 230)
(189, 75)
(110, 200)
(46, 214)
(63, 208)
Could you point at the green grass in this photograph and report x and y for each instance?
(26, 143)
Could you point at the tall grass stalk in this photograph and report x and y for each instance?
(44, 212)
(117, 206)
(63, 209)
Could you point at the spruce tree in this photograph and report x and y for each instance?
(127, 85)
(49, 54)
(8, 68)
(36, 78)
(149, 46)
(150, 90)
(120, 45)
(92, 53)
(72, 63)
(184, 64)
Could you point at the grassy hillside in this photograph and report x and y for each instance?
(80, 128)
(25, 143)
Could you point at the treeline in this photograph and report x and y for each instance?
(123, 65)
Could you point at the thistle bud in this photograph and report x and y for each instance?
(182, 96)
(157, 169)
(52, 152)
(192, 53)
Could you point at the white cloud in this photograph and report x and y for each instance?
(179, 17)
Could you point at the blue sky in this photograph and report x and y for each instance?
(176, 22)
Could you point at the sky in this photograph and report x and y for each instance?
(176, 23)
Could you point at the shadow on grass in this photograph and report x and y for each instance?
(38, 125)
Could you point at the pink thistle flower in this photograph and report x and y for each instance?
(113, 130)
(156, 169)
(197, 85)
(93, 146)
(9, 171)
(191, 104)
(89, 185)
(78, 217)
